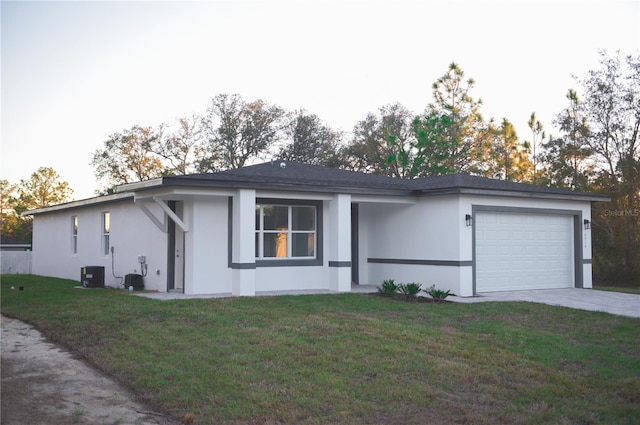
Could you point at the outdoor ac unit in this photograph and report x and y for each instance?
(134, 280)
(92, 276)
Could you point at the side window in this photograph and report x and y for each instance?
(106, 230)
(74, 234)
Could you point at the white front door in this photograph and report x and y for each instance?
(178, 278)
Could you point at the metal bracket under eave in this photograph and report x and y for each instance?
(163, 224)
(171, 214)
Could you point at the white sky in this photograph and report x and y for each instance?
(75, 72)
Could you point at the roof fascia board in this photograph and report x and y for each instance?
(147, 184)
(517, 194)
(268, 187)
(363, 199)
(81, 203)
(294, 186)
(179, 193)
(289, 195)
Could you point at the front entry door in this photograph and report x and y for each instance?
(175, 278)
(355, 266)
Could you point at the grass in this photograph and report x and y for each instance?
(626, 289)
(348, 358)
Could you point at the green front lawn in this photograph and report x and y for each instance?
(346, 359)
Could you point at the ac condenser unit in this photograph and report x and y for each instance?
(134, 280)
(92, 276)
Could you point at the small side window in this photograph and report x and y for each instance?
(74, 234)
(106, 230)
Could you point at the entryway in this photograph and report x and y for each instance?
(175, 251)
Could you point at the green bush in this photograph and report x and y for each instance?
(410, 290)
(389, 288)
(438, 295)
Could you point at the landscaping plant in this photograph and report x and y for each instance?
(410, 290)
(389, 288)
(438, 295)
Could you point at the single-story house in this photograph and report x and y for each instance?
(284, 225)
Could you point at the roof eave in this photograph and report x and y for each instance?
(147, 184)
(297, 187)
(81, 203)
(516, 194)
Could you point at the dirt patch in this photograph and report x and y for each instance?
(41, 383)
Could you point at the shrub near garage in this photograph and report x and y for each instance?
(438, 295)
(410, 290)
(388, 288)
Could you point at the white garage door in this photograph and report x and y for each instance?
(523, 251)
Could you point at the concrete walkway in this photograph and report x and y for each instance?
(584, 299)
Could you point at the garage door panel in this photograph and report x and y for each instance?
(523, 251)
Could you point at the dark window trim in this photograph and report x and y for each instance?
(339, 263)
(417, 262)
(289, 262)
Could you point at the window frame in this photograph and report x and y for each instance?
(105, 238)
(74, 234)
(291, 261)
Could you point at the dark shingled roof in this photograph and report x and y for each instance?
(298, 176)
(295, 174)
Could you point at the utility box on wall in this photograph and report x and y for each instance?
(92, 276)
(134, 280)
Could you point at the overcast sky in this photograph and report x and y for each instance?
(75, 72)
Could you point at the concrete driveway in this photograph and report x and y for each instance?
(583, 299)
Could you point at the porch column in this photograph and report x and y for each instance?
(243, 256)
(340, 243)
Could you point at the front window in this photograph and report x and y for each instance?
(106, 230)
(74, 234)
(286, 231)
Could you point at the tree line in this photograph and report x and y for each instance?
(595, 148)
(42, 189)
(451, 136)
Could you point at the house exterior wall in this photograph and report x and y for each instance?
(424, 240)
(413, 242)
(580, 209)
(132, 234)
(206, 246)
(428, 241)
(292, 278)
(332, 273)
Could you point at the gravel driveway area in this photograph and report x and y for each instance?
(44, 384)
